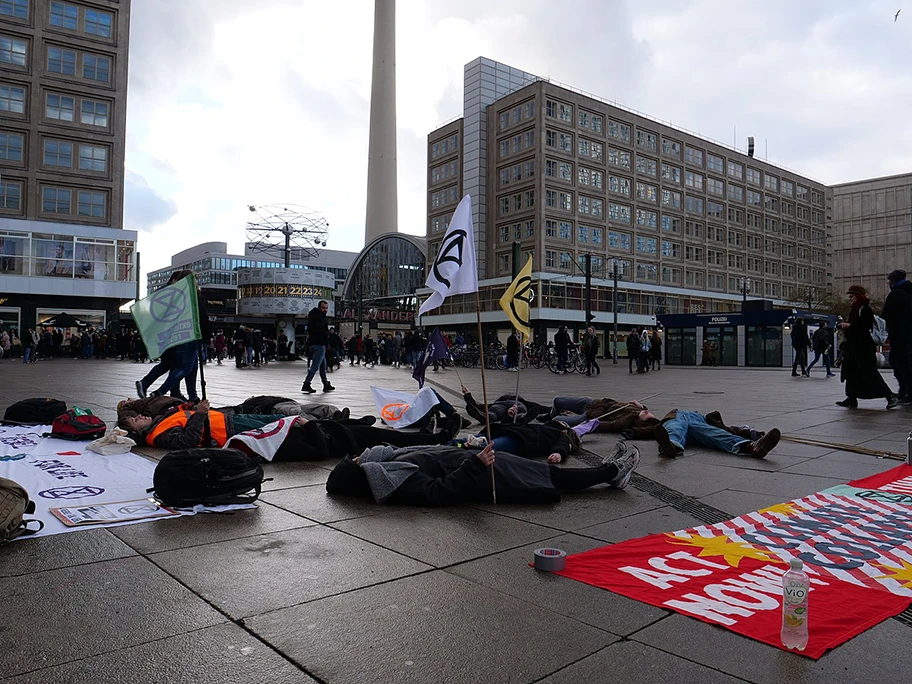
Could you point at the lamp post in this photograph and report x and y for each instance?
(745, 288)
(614, 308)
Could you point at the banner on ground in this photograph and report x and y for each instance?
(855, 541)
(264, 441)
(168, 317)
(517, 300)
(401, 409)
(435, 350)
(454, 270)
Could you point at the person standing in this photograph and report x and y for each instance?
(633, 350)
(220, 346)
(590, 349)
(655, 350)
(397, 350)
(800, 343)
(256, 341)
(513, 352)
(821, 345)
(859, 367)
(645, 347)
(562, 349)
(897, 312)
(318, 338)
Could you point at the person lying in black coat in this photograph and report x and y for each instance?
(504, 409)
(553, 441)
(446, 476)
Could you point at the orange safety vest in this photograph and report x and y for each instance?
(218, 427)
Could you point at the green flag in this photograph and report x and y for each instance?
(168, 317)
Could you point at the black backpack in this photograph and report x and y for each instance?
(212, 477)
(39, 411)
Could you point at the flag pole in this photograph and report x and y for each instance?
(522, 345)
(627, 405)
(484, 388)
(199, 358)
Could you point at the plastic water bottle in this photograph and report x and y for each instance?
(795, 589)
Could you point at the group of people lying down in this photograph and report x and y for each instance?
(432, 467)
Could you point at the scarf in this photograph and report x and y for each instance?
(856, 307)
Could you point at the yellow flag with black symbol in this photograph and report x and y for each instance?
(517, 300)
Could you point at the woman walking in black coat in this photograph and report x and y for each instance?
(859, 367)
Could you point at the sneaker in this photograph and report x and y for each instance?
(848, 403)
(905, 401)
(764, 445)
(794, 374)
(140, 390)
(666, 447)
(451, 428)
(892, 402)
(307, 388)
(327, 387)
(627, 458)
(831, 375)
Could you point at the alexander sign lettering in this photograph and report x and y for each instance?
(390, 315)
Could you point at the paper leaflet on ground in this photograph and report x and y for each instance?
(62, 474)
(118, 511)
(401, 409)
(855, 541)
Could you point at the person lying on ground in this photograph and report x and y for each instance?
(309, 440)
(679, 428)
(440, 413)
(446, 476)
(553, 441)
(612, 415)
(507, 408)
(156, 407)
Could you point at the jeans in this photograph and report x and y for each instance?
(183, 365)
(691, 427)
(826, 361)
(505, 443)
(26, 353)
(562, 353)
(901, 361)
(317, 362)
(577, 407)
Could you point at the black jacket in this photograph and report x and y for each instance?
(897, 312)
(317, 328)
(822, 340)
(538, 441)
(799, 336)
(561, 340)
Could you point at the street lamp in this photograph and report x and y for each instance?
(745, 288)
(614, 306)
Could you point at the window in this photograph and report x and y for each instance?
(565, 201)
(788, 188)
(98, 23)
(714, 163)
(646, 166)
(671, 148)
(10, 195)
(64, 15)
(529, 227)
(550, 258)
(693, 180)
(754, 198)
(788, 208)
(693, 156)
(618, 130)
(753, 176)
(439, 223)
(619, 212)
(735, 170)
(671, 224)
(735, 239)
(754, 242)
(565, 142)
(566, 260)
(753, 220)
(503, 263)
(14, 8)
(693, 253)
(771, 247)
(96, 68)
(590, 121)
(596, 123)
(646, 245)
(646, 192)
(754, 264)
(771, 225)
(670, 198)
(582, 234)
(771, 203)
(671, 173)
(817, 198)
(62, 61)
(11, 146)
(504, 119)
(619, 185)
(771, 182)
(715, 257)
(735, 192)
(12, 99)
(590, 177)
(619, 158)
(693, 229)
(618, 240)
(715, 281)
(772, 289)
(802, 193)
(597, 235)
(565, 112)
(694, 205)
(58, 154)
(55, 200)
(716, 233)
(693, 278)
(788, 229)
(12, 51)
(91, 204)
(648, 219)
(736, 261)
(646, 139)
(735, 216)
(715, 210)
(715, 187)
(583, 204)
(671, 250)
(647, 273)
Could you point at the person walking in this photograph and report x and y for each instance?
(318, 338)
(821, 344)
(590, 349)
(513, 347)
(800, 343)
(562, 348)
(220, 345)
(897, 312)
(397, 349)
(655, 350)
(633, 350)
(859, 367)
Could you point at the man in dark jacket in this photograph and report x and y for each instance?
(897, 312)
(447, 476)
(318, 338)
(800, 343)
(633, 350)
(562, 349)
(821, 344)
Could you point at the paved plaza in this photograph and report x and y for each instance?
(308, 588)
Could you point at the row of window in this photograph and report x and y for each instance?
(40, 254)
(67, 16)
(57, 153)
(516, 115)
(444, 196)
(444, 172)
(89, 66)
(56, 200)
(446, 146)
(57, 107)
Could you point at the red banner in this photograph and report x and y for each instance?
(855, 541)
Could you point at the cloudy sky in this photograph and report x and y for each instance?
(235, 102)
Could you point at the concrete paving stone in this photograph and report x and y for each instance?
(873, 656)
(441, 537)
(249, 576)
(738, 503)
(292, 474)
(693, 478)
(774, 461)
(30, 555)
(827, 466)
(66, 614)
(577, 510)
(215, 655)
(313, 502)
(207, 528)
(665, 519)
(629, 661)
(787, 485)
(509, 572)
(431, 628)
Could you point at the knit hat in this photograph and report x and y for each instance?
(857, 290)
(897, 275)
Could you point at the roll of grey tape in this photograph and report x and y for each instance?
(550, 560)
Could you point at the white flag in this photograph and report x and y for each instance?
(454, 270)
(401, 409)
(264, 441)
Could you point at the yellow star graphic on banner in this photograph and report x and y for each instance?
(729, 549)
(786, 509)
(902, 575)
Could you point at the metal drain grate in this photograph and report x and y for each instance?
(905, 617)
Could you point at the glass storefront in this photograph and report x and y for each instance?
(681, 346)
(65, 256)
(764, 345)
(725, 339)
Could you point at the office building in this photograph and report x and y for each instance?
(63, 97)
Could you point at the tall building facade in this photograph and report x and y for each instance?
(872, 232)
(690, 223)
(63, 97)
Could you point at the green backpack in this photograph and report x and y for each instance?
(15, 503)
